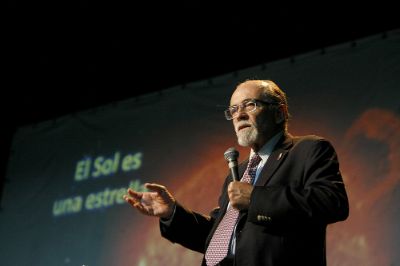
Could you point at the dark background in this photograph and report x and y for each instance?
(62, 58)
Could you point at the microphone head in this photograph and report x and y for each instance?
(231, 154)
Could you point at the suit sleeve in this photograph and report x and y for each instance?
(313, 195)
(192, 229)
(188, 228)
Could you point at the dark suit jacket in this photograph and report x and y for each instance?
(298, 193)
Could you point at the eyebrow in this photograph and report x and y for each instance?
(245, 100)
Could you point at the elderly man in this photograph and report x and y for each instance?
(290, 190)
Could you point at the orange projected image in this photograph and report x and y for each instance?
(369, 155)
(370, 159)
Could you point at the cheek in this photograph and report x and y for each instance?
(264, 121)
(234, 125)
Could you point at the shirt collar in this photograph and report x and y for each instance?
(266, 150)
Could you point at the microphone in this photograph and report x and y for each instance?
(231, 155)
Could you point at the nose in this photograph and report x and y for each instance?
(242, 115)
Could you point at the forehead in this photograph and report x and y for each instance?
(247, 90)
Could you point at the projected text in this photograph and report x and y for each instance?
(101, 166)
(94, 168)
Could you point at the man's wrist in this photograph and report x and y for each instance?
(171, 216)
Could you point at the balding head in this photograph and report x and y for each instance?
(258, 111)
(269, 91)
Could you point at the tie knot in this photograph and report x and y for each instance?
(254, 160)
(251, 170)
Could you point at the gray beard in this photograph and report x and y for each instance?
(247, 137)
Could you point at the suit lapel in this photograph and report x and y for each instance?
(275, 159)
(273, 162)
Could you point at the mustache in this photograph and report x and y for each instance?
(243, 124)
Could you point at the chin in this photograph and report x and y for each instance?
(247, 138)
(245, 142)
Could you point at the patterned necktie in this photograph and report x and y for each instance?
(219, 244)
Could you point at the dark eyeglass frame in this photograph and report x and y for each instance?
(248, 105)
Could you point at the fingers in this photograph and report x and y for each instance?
(239, 194)
(156, 202)
(153, 187)
(137, 199)
(140, 208)
(134, 194)
(135, 202)
(156, 187)
(132, 200)
(234, 186)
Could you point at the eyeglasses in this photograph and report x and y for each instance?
(248, 106)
